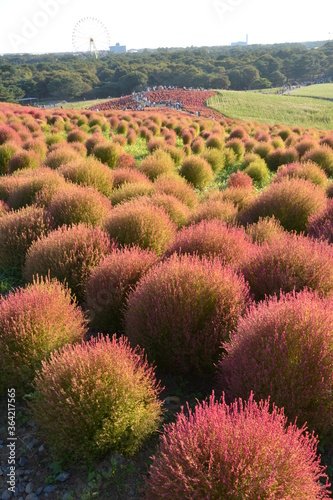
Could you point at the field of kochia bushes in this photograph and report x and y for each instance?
(139, 241)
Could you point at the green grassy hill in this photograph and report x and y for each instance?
(291, 110)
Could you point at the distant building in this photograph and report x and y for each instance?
(118, 49)
(234, 44)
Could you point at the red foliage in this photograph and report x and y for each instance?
(182, 309)
(111, 281)
(320, 224)
(237, 451)
(282, 348)
(212, 238)
(289, 262)
(240, 179)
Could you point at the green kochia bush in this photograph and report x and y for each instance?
(197, 171)
(283, 348)
(139, 222)
(182, 310)
(237, 451)
(110, 283)
(108, 153)
(34, 322)
(96, 398)
(68, 254)
(89, 172)
(289, 262)
(73, 204)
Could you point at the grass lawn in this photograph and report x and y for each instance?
(272, 108)
(322, 91)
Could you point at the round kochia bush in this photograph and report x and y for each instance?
(215, 209)
(320, 224)
(156, 164)
(212, 238)
(289, 262)
(34, 321)
(283, 348)
(96, 398)
(68, 254)
(89, 172)
(139, 222)
(110, 283)
(237, 451)
(291, 201)
(18, 230)
(182, 310)
(73, 204)
(178, 187)
(197, 171)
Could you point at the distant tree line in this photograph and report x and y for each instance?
(69, 76)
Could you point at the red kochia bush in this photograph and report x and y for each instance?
(212, 238)
(18, 230)
(291, 201)
(182, 310)
(240, 179)
(237, 451)
(139, 222)
(33, 322)
(289, 262)
(320, 224)
(283, 348)
(69, 253)
(110, 283)
(73, 204)
(95, 399)
(9, 134)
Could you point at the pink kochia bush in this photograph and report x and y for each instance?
(18, 230)
(111, 281)
(182, 310)
(68, 254)
(290, 201)
(34, 321)
(96, 398)
(287, 262)
(139, 222)
(320, 224)
(237, 451)
(212, 238)
(283, 348)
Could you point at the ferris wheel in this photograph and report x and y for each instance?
(90, 35)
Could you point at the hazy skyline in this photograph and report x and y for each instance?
(40, 26)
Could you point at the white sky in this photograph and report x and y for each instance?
(40, 26)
